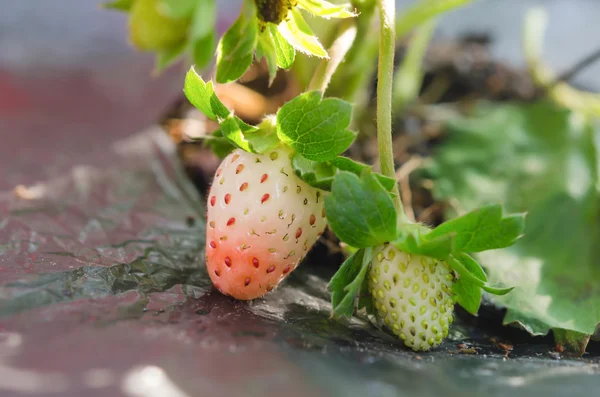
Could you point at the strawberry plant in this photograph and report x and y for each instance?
(284, 179)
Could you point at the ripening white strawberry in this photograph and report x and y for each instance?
(261, 221)
(412, 295)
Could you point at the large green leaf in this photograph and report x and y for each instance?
(316, 128)
(542, 160)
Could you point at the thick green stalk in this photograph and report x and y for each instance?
(387, 46)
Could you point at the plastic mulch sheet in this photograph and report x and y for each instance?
(103, 292)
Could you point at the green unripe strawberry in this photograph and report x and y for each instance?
(412, 295)
(150, 30)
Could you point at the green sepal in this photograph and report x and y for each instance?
(177, 8)
(347, 164)
(236, 48)
(231, 127)
(360, 211)
(202, 95)
(219, 145)
(284, 52)
(204, 17)
(415, 239)
(467, 294)
(320, 174)
(326, 9)
(296, 31)
(202, 50)
(264, 138)
(348, 282)
(250, 138)
(463, 264)
(316, 173)
(166, 58)
(266, 49)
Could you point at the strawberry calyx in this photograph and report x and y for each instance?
(407, 275)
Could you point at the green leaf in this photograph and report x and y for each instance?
(119, 5)
(166, 58)
(347, 282)
(236, 48)
(482, 229)
(316, 127)
(360, 211)
(202, 96)
(202, 50)
(571, 341)
(177, 8)
(325, 9)
(285, 53)
(297, 32)
(543, 160)
(266, 49)
(203, 22)
(347, 164)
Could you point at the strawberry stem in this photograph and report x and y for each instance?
(387, 47)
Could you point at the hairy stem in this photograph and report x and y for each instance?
(338, 50)
(384, 95)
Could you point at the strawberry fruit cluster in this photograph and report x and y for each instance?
(281, 182)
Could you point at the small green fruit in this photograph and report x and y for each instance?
(150, 30)
(412, 295)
